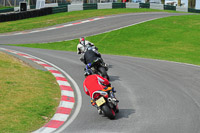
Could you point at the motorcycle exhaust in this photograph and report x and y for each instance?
(109, 99)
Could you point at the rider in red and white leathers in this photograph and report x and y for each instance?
(94, 83)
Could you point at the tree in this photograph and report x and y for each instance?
(191, 3)
(146, 1)
(163, 1)
(179, 2)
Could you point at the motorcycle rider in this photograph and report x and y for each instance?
(83, 47)
(94, 82)
(90, 55)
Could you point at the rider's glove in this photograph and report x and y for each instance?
(88, 66)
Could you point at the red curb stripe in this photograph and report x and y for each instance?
(22, 54)
(91, 19)
(60, 26)
(46, 65)
(33, 59)
(61, 78)
(67, 88)
(63, 110)
(77, 23)
(55, 71)
(68, 99)
(9, 50)
(54, 124)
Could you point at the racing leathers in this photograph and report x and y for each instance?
(90, 55)
(82, 48)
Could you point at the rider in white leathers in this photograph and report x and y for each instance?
(85, 45)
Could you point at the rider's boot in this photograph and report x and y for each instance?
(99, 111)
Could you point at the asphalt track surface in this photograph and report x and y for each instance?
(155, 96)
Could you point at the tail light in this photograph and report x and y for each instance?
(96, 95)
(106, 95)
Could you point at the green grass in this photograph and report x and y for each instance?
(172, 38)
(5, 7)
(175, 38)
(28, 97)
(59, 18)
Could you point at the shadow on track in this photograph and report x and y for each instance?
(124, 113)
(113, 78)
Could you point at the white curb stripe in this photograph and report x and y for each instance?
(58, 75)
(67, 25)
(65, 83)
(67, 93)
(60, 117)
(66, 104)
(39, 62)
(50, 68)
(28, 57)
(85, 21)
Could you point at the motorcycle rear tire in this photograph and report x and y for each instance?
(108, 111)
(103, 73)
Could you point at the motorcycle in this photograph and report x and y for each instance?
(105, 101)
(99, 67)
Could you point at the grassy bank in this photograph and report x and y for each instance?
(5, 7)
(173, 38)
(59, 18)
(28, 96)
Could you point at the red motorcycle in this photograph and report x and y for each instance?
(105, 100)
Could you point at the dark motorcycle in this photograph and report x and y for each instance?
(106, 101)
(99, 67)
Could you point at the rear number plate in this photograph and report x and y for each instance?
(100, 101)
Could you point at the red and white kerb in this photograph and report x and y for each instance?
(53, 28)
(67, 95)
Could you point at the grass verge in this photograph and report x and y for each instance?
(59, 18)
(173, 38)
(28, 96)
(5, 7)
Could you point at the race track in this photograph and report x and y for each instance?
(155, 96)
(77, 30)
